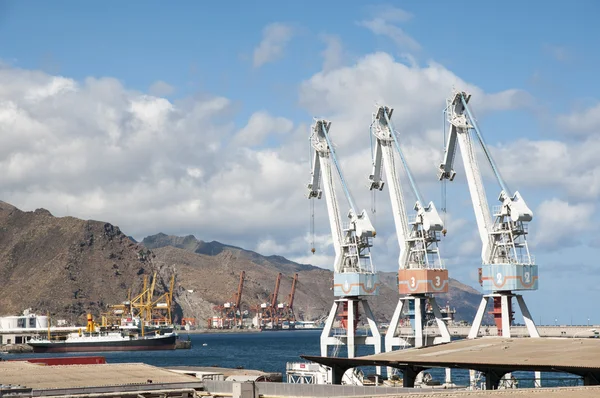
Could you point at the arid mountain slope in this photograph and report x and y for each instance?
(66, 266)
(208, 273)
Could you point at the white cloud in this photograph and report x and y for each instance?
(275, 38)
(561, 224)
(333, 53)
(384, 23)
(148, 164)
(582, 122)
(261, 125)
(559, 53)
(161, 89)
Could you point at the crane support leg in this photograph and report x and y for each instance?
(420, 339)
(478, 317)
(504, 327)
(533, 332)
(350, 339)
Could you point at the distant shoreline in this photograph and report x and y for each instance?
(212, 331)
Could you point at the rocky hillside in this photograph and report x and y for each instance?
(67, 266)
(208, 273)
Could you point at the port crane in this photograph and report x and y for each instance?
(267, 312)
(285, 311)
(421, 273)
(354, 275)
(507, 264)
(231, 312)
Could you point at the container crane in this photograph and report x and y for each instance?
(267, 313)
(507, 264)
(285, 310)
(231, 312)
(420, 273)
(354, 274)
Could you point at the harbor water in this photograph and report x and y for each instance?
(268, 351)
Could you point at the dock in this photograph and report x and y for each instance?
(493, 356)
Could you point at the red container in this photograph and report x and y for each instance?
(65, 360)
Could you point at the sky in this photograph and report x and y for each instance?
(194, 118)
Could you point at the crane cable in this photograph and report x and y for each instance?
(373, 191)
(443, 186)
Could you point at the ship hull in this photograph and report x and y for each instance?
(153, 344)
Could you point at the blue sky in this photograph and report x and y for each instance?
(193, 52)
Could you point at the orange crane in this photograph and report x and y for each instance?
(267, 313)
(286, 310)
(231, 314)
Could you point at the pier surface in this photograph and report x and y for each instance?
(494, 356)
(73, 376)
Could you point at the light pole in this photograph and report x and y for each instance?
(555, 321)
(588, 321)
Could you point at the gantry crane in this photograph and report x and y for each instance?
(354, 274)
(285, 311)
(231, 311)
(507, 264)
(421, 272)
(267, 313)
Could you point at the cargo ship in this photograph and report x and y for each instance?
(105, 341)
(97, 338)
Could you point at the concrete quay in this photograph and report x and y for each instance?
(516, 331)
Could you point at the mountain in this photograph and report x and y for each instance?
(65, 266)
(68, 267)
(209, 273)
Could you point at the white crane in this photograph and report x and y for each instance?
(507, 264)
(420, 272)
(354, 275)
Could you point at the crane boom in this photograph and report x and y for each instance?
(290, 300)
(238, 296)
(276, 291)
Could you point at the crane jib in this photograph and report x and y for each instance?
(339, 170)
(413, 184)
(488, 155)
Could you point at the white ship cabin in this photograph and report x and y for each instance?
(20, 329)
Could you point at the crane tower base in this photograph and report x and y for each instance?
(503, 305)
(422, 281)
(509, 277)
(348, 337)
(355, 284)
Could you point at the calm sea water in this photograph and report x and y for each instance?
(267, 351)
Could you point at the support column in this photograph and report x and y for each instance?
(409, 375)
(533, 332)
(474, 332)
(492, 379)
